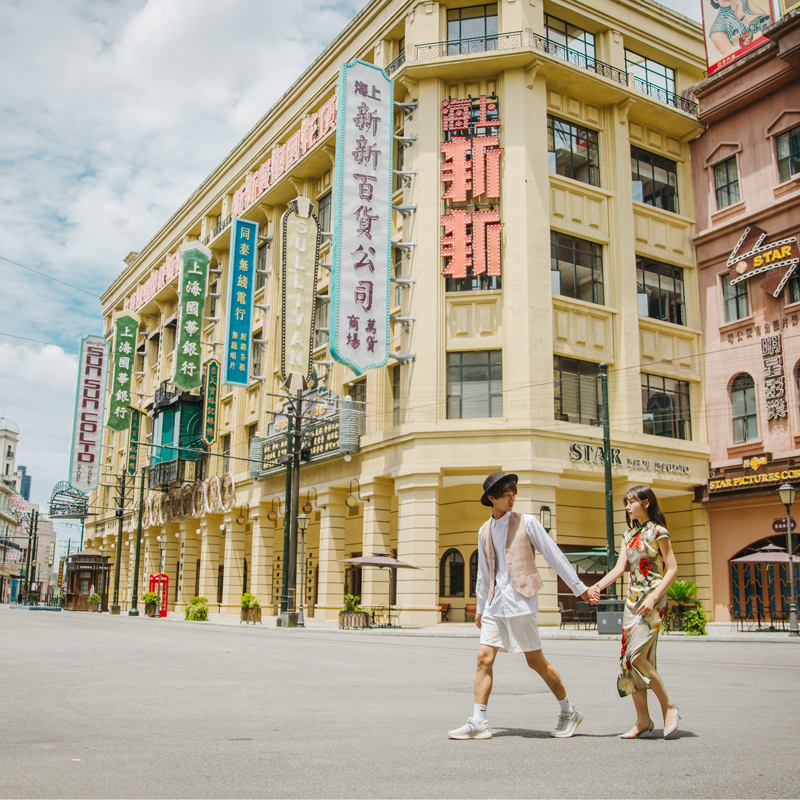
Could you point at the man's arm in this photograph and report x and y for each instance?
(554, 557)
(482, 583)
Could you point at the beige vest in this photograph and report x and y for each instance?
(520, 557)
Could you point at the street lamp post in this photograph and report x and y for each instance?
(162, 543)
(787, 493)
(302, 524)
(104, 551)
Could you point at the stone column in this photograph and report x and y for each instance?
(171, 555)
(209, 558)
(261, 557)
(418, 544)
(331, 548)
(376, 536)
(189, 546)
(234, 566)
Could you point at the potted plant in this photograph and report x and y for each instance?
(352, 615)
(197, 610)
(251, 609)
(94, 601)
(686, 615)
(150, 600)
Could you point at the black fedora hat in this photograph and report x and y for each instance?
(494, 481)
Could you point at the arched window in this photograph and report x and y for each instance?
(473, 573)
(451, 574)
(743, 407)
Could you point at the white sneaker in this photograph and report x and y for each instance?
(472, 730)
(567, 724)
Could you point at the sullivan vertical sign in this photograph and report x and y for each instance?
(362, 210)
(87, 432)
(299, 265)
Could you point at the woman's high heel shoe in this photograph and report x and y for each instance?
(647, 732)
(670, 729)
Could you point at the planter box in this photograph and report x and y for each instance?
(354, 619)
(251, 615)
(151, 609)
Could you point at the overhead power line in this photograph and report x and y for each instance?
(50, 277)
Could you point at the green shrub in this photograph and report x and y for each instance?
(197, 610)
(150, 598)
(682, 591)
(351, 602)
(694, 621)
(94, 597)
(250, 601)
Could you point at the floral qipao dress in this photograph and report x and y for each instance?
(647, 570)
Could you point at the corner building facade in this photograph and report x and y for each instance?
(593, 218)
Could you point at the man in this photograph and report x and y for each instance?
(507, 604)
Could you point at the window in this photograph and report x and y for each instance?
(788, 145)
(726, 183)
(473, 572)
(576, 268)
(251, 434)
(650, 77)
(261, 266)
(322, 322)
(577, 393)
(472, 283)
(660, 288)
(743, 408)
(395, 394)
(324, 213)
(476, 24)
(735, 297)
(560, 34)
(573, 151)
(665, 407)
(226, 452)
(475, 384)
(358, 393)
(212, 301)
(258, 353)
(655, 180)
(794, 289)
(398, 273)
(451, 574)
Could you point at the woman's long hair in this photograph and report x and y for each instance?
(642, 493)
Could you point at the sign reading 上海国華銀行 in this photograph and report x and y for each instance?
(90, 401)
(241, 285)
(362, 211)
(193, 282)
(126, 326)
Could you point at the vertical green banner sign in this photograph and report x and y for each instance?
(126, 325)
(133, 442)
(210, 410)
(186, 372)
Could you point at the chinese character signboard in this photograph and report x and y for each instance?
(470, 172)
(774, 378)
(241, 283)
(210, 409)
(362, 209)
(126, 325)
(776, 261)
(733, 29)
(87, 432)
(299, 264)
(133, 444)
(186, 373)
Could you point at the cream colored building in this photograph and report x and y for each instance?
(597, 265)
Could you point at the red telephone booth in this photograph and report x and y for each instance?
(159, 583)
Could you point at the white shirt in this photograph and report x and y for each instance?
(507, 601)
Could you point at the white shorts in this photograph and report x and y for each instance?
(511, 634)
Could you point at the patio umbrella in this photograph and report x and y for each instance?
(380, 559)
(766, 555)
(593, 560)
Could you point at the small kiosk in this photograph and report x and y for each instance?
(85, 570)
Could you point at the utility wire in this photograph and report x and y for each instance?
(50, 277)
(38, 341)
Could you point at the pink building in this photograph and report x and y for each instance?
(746, 176)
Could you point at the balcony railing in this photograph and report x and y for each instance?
(579, 59)
(178, 470)
(218, 230)
(667, 97)
(397, 63)
(478, 44)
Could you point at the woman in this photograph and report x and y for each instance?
(735, 24)
(648, 550)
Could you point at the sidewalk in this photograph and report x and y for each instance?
(716, 631)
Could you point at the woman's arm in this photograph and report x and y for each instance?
(649, 602)
(722, 43)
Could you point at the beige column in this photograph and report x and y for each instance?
(331, 549)
(232, 587)
(150, 558)
(376, 536)
(261, 557)
(190, 544)
(702, 563)
(209, 558)
(171, 556)
(418, 544)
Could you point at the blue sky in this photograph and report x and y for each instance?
(106, 131)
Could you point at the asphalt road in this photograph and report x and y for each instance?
(96, 706)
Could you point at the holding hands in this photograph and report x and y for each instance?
(593, 594)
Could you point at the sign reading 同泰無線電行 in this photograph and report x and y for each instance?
(187, 363)
(470, 170)
(362, 212)
(299, 264)
(90, 401)
(126, 326)
(210, 403)
(241, 285)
